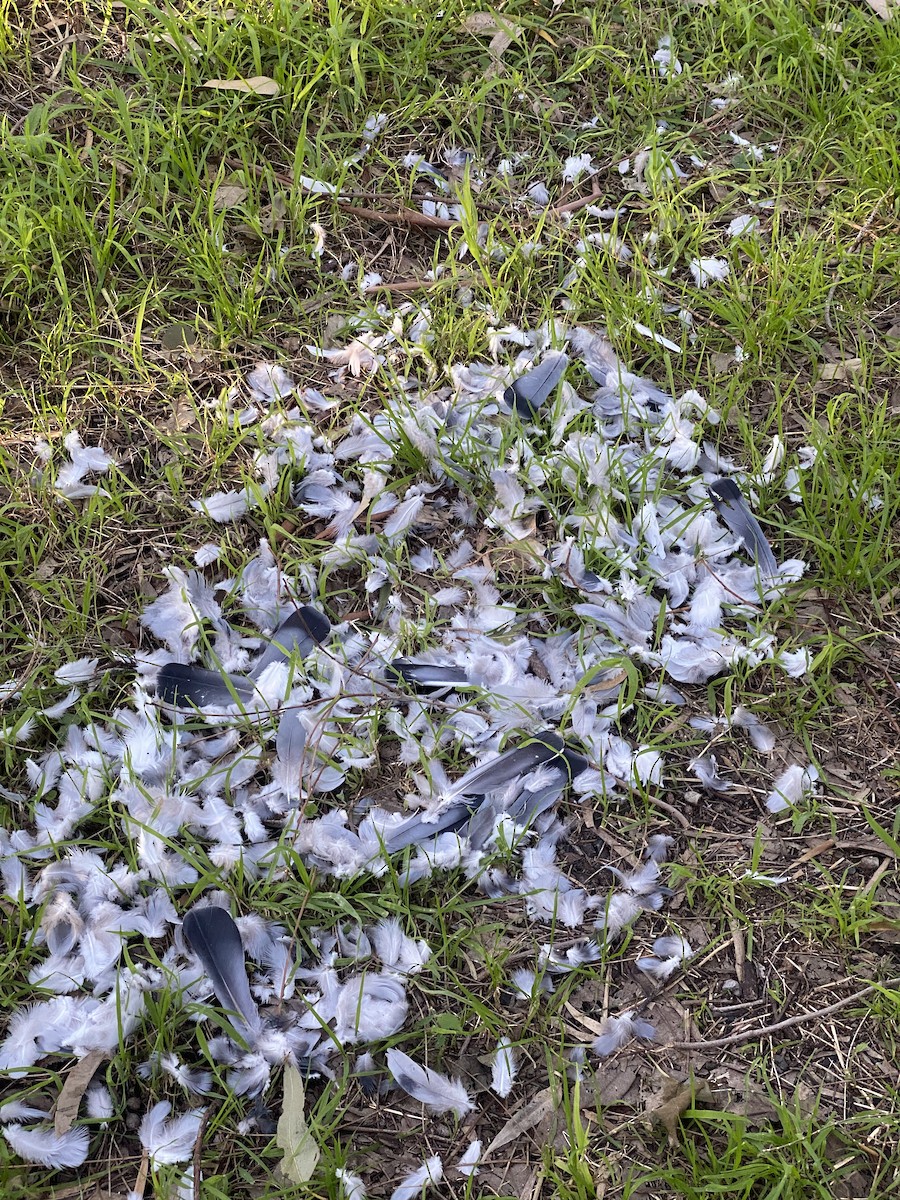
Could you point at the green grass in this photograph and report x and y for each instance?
(112, 153)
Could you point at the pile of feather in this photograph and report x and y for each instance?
(642, 557)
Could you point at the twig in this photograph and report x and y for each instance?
(404, 216)
(574, 205)
(413, 285)
(750, 1035)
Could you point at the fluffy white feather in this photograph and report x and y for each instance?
(430, 1173)
(618, 1031)
(40, 1144)
(352, 1187)
(431, 1088)
(169, 1141)
(503, 1068)
(468, 1164)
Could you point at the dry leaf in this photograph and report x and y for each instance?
(673, 1099)
(841, 372)
(258, 85)
(884, 8)
(523, 1119)
(177, 336)
(301, 1154)
(77, 1080)
(228, 195)
(501, 32)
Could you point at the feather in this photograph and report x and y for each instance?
(62, 924)
(468, 1164)
(290, 744)
(352, 1187)
(369, 1007)
(216, 941)
(430, 1172)
(40, 1144)
(82, 670)
(397, 951)
(791, 787)
(297, 636)
(425, 677)
(735, 512)
(530, 390)
(169, 1141)
(618, 1031)
(658, 846)
(503, 1068)
(545, 748)
(706, 770)
(187, 686)
(434, 1090)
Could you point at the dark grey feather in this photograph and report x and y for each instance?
(547, 748)
(302, 630)
(216, 941)
(735, 512)
(425, 677)
(526, 395)
(185, 686)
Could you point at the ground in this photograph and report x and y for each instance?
(159, 236)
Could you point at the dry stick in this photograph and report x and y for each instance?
(405, 216)
(750, 1035)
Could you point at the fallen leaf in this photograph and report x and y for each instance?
(841, 371)
(523, 1119)
(893, 333)
(884, 8)
(501, 32)
(228, 195)
(301, 1154)
(177, 336)
(722, 363)
(673, 1099)
(258, 85)
(73, 1090)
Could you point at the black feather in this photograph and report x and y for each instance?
(302, 630)
(185, 685)
(425, 677)
(735, 512)
(216, 940)
(530, 390)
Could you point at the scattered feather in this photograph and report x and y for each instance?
(432, 1089)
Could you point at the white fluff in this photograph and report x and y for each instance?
(40, 1144)
(670, 953)
(503, 1068)
(468, 1164)
(397, 951)
(430, 1173)
(792, 787)
(352, 1187)
(618, 1031)
(709, 270)
(169, 1141)
(433, 1089)
(82, 670)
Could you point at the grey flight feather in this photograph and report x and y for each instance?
(185, 685)
(216, 941)
(529, 391)
(546, 748)
(735, 512)
(425, 677)
(302, 630)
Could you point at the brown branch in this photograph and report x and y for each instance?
(749, 1035)
(574, 205)
(403, 216)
